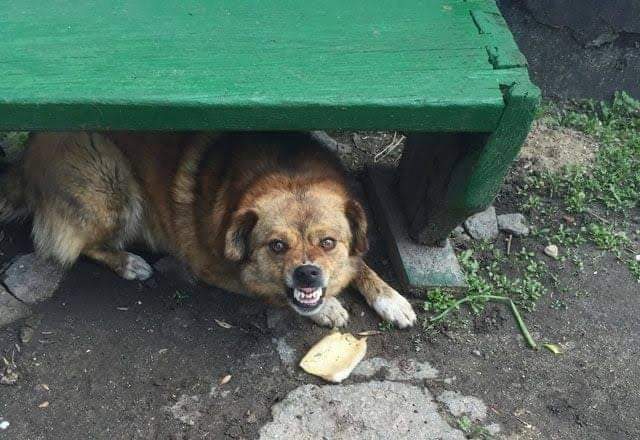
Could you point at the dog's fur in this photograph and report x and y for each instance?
(216, 200)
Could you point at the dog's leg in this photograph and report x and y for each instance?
(332, 314)
(129, 266)
(388, 303)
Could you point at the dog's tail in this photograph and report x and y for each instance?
(13, 203)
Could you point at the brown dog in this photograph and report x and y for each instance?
(267, 215)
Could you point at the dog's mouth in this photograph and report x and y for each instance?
(306, 300)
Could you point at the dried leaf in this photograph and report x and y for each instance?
(222, 323)
(44, 404)
(334, 357)
(369, 333)
(553, 348)
(225, 379)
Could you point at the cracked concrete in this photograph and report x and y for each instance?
(371, 410)
(375, 409)
(395, 370)
(186, 409)
(459, 405)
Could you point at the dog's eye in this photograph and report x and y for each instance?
(328, 243)
(278, 246)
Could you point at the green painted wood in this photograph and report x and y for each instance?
(250, 64)
(443, 178)
(503, 53)
(488, 166)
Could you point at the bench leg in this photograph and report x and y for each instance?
(444, 178)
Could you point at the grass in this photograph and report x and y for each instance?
(473, 430)
(580, 205)
(385, 326)
(606, 194)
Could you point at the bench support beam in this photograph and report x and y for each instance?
(443, 178)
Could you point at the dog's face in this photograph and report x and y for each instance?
(298, 247)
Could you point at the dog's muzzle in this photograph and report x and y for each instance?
(307, 289)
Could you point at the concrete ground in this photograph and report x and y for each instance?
(114, 359)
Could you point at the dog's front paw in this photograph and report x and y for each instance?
(332, 314)
(135, 268)
(394, 308)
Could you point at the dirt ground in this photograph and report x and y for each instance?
(117, 360)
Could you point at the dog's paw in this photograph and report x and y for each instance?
(332, 314)
(395, 308)
(135, 268)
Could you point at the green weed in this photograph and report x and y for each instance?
(181, 297)
(473, 430)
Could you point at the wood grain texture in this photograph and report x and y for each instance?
(431, 164)
(251, 64)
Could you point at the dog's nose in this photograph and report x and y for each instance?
(307, 275)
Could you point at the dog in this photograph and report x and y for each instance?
(268, 215)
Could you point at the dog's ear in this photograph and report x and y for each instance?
(358, 223)
(236, 245)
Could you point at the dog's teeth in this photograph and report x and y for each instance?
(308, 298)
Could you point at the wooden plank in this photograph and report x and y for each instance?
(445, 178)
(246, 64)
(429, 166)
(503, 53)
(418, 267)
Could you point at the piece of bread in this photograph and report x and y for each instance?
(334, 357)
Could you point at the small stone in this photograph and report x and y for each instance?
(484, 225)
(10, 308)
(552, 251)
(4, 425)
(638, 258)
(477, 353)
(32, 279)
(515, 224)
(459, 235)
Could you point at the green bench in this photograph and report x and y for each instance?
(447, 73)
